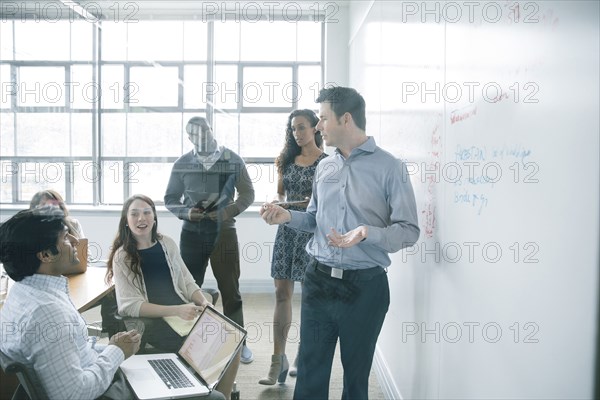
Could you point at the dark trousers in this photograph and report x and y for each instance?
(352, 310)
(223, 252)
(158, 333)
(119, 390)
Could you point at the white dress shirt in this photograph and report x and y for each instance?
(41, 328)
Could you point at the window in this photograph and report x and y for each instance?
(102, 116)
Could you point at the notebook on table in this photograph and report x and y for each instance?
(195, 369)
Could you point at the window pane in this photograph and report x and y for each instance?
(82, 40)
(85, 173)
(264, 180)
(186, 145)
(7, 90)
(226, 130)
(227, 41)
(153, 134)
(6, 40)
(7, 134)
(113, 134)
(194, 86)
(267, 87)
(112, 86)
(43, 134)
(112, 182)
(8, 169)
(226, 87)
(194, 41)
(84, 92)
(40, 176)
(41, 86)
(260, 39)
(309, 41)
(155, 41)
(262, 135)
(154, 87)
(81, 134)
(151, 179)
(309, 81)
(37, 40)
(114, 46)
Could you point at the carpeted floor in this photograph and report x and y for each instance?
(258, 316)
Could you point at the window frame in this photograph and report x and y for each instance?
(97, 111)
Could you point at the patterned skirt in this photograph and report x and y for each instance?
(289, 254)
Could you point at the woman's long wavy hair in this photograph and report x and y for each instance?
(126, 240)
(291, 148)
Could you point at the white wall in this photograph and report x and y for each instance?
(255, 239)
(447, 304)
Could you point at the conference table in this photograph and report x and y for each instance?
(86, 290)
(89, 288)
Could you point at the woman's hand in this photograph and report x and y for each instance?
(188, 311)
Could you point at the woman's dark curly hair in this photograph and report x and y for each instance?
(291, 148)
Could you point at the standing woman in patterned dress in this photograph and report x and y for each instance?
(296, 167)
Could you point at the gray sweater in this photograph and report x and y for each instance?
(190, 178)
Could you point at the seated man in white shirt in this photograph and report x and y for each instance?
(40, 327)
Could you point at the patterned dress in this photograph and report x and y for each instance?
(289, 252)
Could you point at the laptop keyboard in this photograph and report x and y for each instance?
(170, 373)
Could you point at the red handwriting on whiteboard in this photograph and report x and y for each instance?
(461, 115)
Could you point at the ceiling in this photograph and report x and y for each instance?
(132, 11)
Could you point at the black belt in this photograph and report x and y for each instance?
(348, 274)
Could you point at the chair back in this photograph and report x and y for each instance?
(28, 379)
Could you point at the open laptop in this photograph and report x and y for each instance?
(201, 361)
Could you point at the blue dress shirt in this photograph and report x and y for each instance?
(372, 188)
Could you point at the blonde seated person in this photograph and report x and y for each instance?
(142, 263)
(51, 197)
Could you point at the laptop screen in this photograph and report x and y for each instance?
(211, 344)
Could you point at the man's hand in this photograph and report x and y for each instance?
(195, 214)
(274, 214)
(348, 239)
(128, 342)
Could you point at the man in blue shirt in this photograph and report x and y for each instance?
(362, 208)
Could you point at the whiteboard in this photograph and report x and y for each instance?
(499, 297)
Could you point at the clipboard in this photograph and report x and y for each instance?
(206, 202)
(291, 203)
(212, 206)
(286, 204)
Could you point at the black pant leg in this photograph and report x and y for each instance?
(195, 249)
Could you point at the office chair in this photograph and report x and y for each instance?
(29, 384)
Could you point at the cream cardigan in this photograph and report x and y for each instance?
(130, 297)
